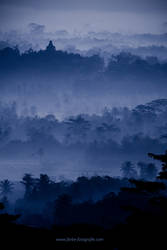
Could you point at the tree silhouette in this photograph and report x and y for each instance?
(62, 209)
(5, 202)
(28, 182)
(147, 186)
(147, 171)
(77, 127)
(44, 184)
(128, 170)
(152, 171)
(6, 187)
(163, 158)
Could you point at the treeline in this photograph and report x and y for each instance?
(82, 143)
(44, 197)
(55, 61)
(142, 170)
(46, 202)
(50, 60)
(115, 124)
(138, 209)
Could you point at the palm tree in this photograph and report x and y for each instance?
(28, 182)
(163, 159)
(77, 128)
(128, 170)
(6, 187)
(44, 183)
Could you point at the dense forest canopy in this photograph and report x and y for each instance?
(68, 84)
(85, 144)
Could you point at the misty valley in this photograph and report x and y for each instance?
(82, 147)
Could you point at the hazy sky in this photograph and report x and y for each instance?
(114, 15)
